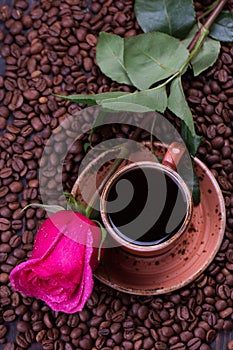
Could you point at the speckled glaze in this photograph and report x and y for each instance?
(183, 262)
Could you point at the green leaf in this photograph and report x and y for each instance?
(179, 106)
(91, 99)
(103, 237)
(196, 194)
(172, 17)
(82, 98)
(192, 141)
(141, 60)
(140, 101)
(110, 57)
(152, 57)
(192, 181)
(74, 204)
(86, 146)
(222, 29)
(206, 56)
(50, 208)
(125, 106)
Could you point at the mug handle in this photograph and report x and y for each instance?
(173, 155)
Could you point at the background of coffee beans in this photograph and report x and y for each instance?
(50, 46)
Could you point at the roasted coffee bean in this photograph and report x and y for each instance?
(19, 253)
(41, 335)
(183, 313)
(31, 94)
(59, 41)
(4, 278)
(118, 316)
(15, 299)
(159, 345)
(20, 310)
(217, 142)
(228, 325)
(16, 186)
(85, 343)
(53, 333)
(200, 333)
(211, 131)
(9, 315)
(91, 39)
(15, 241)
(211, 335)
(223, 291)
(9, 346)
(37, 326)
(4, 224)
(142, 312)
(30, 336)
(21, 341)
(3, 257)
(178, 346)
(5, 172)
(185, 336)
(3, 331)
(226, 312)
(61, 320)
(22, 326)
(5, 248)
(5, 236)
(194, 344)
(222, 76)
(18, 164)
(4, 291)
(47, 320)
(88, 64)
(65, 330)
(11, 260)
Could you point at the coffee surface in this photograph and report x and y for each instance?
(146, 206)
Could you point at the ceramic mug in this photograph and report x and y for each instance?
(146, 206)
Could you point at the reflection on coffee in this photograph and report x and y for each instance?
(146, 206)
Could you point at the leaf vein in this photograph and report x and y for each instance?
(158, 63)
(115, 56)
(168, 20)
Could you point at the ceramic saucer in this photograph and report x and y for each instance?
(183, 263)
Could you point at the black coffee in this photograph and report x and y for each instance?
(146, 206)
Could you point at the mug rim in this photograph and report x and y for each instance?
(154, 247)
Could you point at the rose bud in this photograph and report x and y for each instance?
(59, 270)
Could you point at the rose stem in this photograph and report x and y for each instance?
(117, 162)
(204, 29)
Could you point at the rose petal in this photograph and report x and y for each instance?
(59, 270)
(78, 299)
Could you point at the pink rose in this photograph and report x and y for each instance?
(59, 270)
